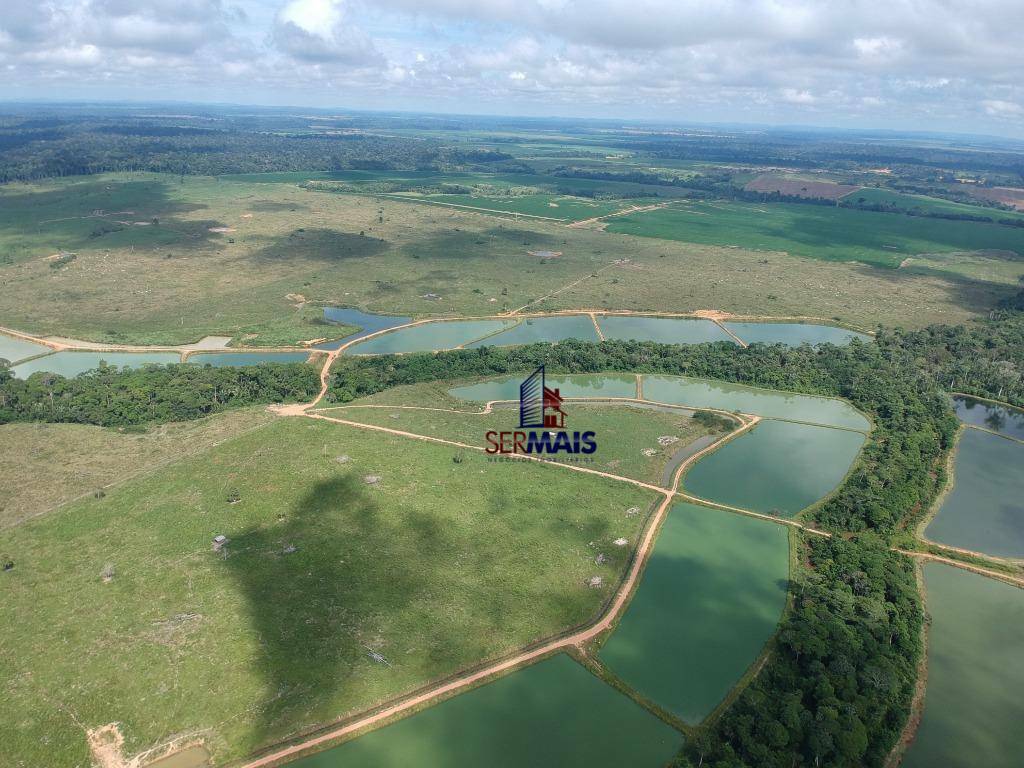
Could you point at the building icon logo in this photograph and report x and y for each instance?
(539, 405)
(541, 424)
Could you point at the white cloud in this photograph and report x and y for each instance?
(794, 96)
(930, 63)
(999, 108)
(318, 31)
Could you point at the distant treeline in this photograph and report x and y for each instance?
(116, 397)
(41, 149)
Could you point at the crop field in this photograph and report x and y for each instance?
(925, 204)
(821, 232)
(342, 544)
(294, 250)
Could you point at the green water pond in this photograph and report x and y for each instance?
(12, 350)
(711, 597)
(549, 715)
(778, 467)
(74, 363)
(543, 329)
(428, 337)
(794, 334)
(667, 330)
(703, 393)
(985, 510)
(242, 359)
(972, 707)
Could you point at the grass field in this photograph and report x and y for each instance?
(177, 281)
(435, 566)
(818, 231)
(623, 432)
(925, 204)
(55, 463)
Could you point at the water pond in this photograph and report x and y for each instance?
(429, 337)
(366, 322)
(711, 597)
(794, 334)
(985, 510)
(998, 418)
(543, 329)
(12, 350)
(666, 330)
(242, 359)
(549, 715)
(777, 468)
(73, 363)
(972, 707)
(703, 393)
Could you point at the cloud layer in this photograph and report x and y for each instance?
(928, 64)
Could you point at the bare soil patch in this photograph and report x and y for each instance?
(1006, 195)
(825, 190)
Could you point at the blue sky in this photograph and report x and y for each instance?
(905, 64)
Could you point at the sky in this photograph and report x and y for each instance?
(942, 65)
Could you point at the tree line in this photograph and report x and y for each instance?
(110, 396)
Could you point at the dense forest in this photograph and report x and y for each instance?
(117, 397)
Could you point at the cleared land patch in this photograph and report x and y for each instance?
(45, 465)
(826, 190)
(627, 436)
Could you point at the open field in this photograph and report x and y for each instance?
(624, 432)
(435, 566)
(925, 204)
(817, 231)
(176, 281)
(45, 465)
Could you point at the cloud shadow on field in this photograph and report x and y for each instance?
(493, 242)
(324, 245)
(104, 214)
(318, 610)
